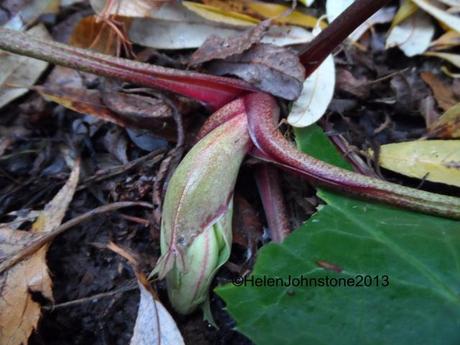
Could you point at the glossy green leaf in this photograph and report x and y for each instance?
(417, 255)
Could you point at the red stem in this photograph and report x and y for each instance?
(213, 90)
(262, 109)
(324, 44)
(268, 183)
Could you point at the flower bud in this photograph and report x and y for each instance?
(196, 232)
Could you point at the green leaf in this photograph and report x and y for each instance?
(419, 254)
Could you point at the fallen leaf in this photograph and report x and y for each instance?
(347, 82)
(454, 59)
(20, 314)
(216, 47)
(154, 324)
(443, 93)
(125, 110)
(448, 40)
(272, 69)
(28, 12)
(227, 5)
(19, 73)
(97, 35)
(440, 14)
(334, 8)
(174, 27)
(216, 14)
(413, 35)
(431, 160)
(405, 10)
(317, 93)
(307, 2)
(448, 125)
(126, 8)
(276, 13)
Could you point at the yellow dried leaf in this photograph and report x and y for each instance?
(448, 40)
(19, 313)
(218, 15)
(448, 125)
(454, 59)
(432, 160)
(269, 10)
(406, 9)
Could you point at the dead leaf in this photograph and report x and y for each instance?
(216, 14)
(126, 8)
(348, 83)
(216, 47)
(454, 59)
(448, 125)
(174, 27)
(448, 40)
(440, 14)
(272, 69)
(405, 10)
(19, 73)
(431, 160)
(317, 93)
(442, 93)
(413, 35)
(98, 35)
(20, 314)
(125, 110)
(154, 324)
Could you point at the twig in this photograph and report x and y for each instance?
(42, 240)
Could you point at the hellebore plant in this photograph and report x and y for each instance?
(196, 220)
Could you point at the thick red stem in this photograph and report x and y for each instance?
(324, 44)
(212, 90)
(269, 186)
(261, 110)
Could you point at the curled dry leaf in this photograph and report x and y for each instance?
(448, 40)
(317, 93)
(126, 8)
(413, 35)
(154, 324)
(448, 125)
(216, 47)
(19, 313)
(443, 93)
(272, 69)
(431, 160)
(18, 73)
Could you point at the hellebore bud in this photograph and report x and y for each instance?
(196, 232)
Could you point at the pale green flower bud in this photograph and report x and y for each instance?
(196, 232)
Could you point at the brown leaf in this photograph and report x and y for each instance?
(348, 83)
(442, 92)
(19, 313)
(448, 125)
(123, 109)
(216, 47)
(272, 69)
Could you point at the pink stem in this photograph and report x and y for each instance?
(213, 90)
(261, 110)
(268, 183)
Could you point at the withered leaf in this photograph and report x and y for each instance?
(216, 47)
(448, 125)
(123, 109)
(347, 82)
(19, 313)
(442, 93)
(272, 69)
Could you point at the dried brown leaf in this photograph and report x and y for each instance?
(19, 313)
(216, 47)
(442, 92)
(272, 69)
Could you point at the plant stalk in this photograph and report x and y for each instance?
(212, 90)
(261, 110)
(324, 44)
